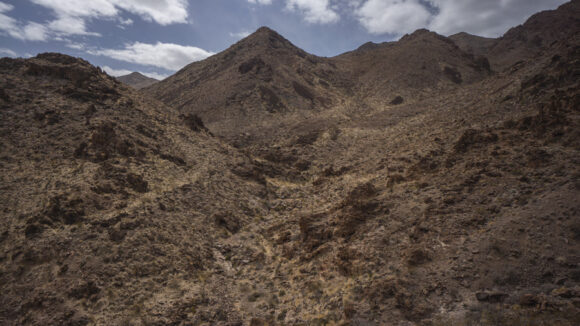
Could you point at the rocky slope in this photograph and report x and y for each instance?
(382, 191)
(473, 44)
(137, 80)
(433, 191)
(526, 41)
(264, 80)
(108, 199)
(257, 79)
(414, 67)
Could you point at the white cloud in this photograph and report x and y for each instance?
(240, 35)
(75, 46)
(34, 32)
(154, 75)
(392, 16)
(262, 2)
(71, 16)
(163, 55)
(116, 72)
(489, 18)
(80, 8)
(68, 25)
(126, 22)
(314, 11)
(123, 23)
(24, 31)
(4, 7)
(4, 52)
(163, 12)
(353, 3)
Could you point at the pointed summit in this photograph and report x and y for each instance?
(266, 32)
(257, 79)
(137, 80)
(264, 37)
(423, 34)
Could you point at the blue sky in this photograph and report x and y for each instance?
(158, 37)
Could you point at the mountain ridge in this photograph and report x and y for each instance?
(411, 183)
(526, 41)
(264, 76)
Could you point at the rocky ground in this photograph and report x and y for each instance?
(394, 195)
(107, 197)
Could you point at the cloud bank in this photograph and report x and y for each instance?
(392, 16)
(4, 52)
(75, 13)
(261, 2)
(30, 31)
(71, 16)
(168, 56)
(314, 11)
(489, 18)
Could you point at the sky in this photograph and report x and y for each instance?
(159, 37)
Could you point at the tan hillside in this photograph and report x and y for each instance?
(428, 181)
(264, 79)
(107, 197)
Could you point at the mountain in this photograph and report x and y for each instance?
(264, 79)
(526, 41)
(414, 182)
(473, 44)
(107, 197)
(257, 79)
(421, 62)
(137, 80)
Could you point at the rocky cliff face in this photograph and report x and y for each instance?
(402, 183)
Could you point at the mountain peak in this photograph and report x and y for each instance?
(368, 46)
(137, 80)
(135, 74)
(59, 58)
(265, 30)
(266, 37)
(425, 35)
(420, 33)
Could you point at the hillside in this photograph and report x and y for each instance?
(253, 82)
(473, 44)
(107, 197)
(137, 80)
(526, 41)
(414, 67)
(264, 79)
(427, 190)
(417, 182)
